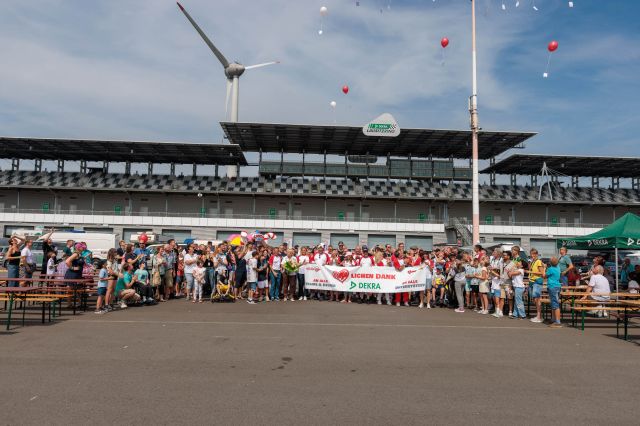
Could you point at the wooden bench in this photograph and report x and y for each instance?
(36, 298)
(596, 307)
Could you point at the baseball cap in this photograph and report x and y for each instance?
(365, 248)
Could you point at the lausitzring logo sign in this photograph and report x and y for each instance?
(385, 126)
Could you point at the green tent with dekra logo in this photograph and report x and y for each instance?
(624, 233)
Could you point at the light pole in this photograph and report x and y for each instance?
(473, 109)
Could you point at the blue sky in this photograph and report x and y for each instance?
(135, 69)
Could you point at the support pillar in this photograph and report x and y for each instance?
(595, 182)
(514, 180)
(15, 164)
(574, 181)
(60, 166)
(615, 183)
(38, 165)
(127, 168)
(492, 175)
(346, 165)
(195, 170)
(172, 170)
(534, 180)
(150, 168)
(105, 167)
(83, 167)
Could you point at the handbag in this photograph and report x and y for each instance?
(156, 279)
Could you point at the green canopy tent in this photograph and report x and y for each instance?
(624, 233)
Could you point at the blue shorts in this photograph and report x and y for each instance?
(438, 287)
(535, 289)
(496, 293)
(102, 291)
(554, 297)
(429, 284)
(253, 286)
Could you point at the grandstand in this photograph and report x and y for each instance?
(414, 188)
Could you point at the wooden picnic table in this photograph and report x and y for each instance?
(16, 292)
(74, 283)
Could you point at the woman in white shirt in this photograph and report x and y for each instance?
(517, 280)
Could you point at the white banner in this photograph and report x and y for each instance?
(365, 279)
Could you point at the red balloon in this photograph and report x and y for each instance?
(345, 89)
(553, 45)
(143, 238)
(444, 42)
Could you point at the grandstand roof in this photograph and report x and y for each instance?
(120, 151)
(570, 165)
(294, 138)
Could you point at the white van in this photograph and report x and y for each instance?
(99, 243)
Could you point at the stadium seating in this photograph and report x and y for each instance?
(335, 187)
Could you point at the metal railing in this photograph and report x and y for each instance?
(461, 222)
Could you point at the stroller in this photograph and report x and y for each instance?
(223, 290)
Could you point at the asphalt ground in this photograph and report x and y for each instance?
(313, 363)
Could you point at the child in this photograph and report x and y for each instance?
(141, 277)
(348, 261)
(252, 276)
(51, 265)
(263, 282)
(438, 286)
(198, 281)
(103, 275)
(552, 274)
(484, 286)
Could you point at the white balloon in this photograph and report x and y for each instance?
(319, 32)
(324, 10)
(333, 104)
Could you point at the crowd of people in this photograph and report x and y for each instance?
(484, 282)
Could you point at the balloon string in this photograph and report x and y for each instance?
(546, 70)
(442, 57)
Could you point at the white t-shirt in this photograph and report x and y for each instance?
(26, 253)
(51, 266)
(188, 268)
(321, 259)
(252, 270)
(427, 271)
(496, 281)
(276, 260)
(366, 261)
(599, 284)
(518, 280)
(633, 286)
(303, 260)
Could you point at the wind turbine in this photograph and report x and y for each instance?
(232, 70)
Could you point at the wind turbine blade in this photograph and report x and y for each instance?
(226, 101)
(261, 65)
(214, 49)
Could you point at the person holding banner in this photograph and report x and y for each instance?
(398, 262)
(320, 258)
(366, 260)
(428, 267)
(347, 262)
(379, 260)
